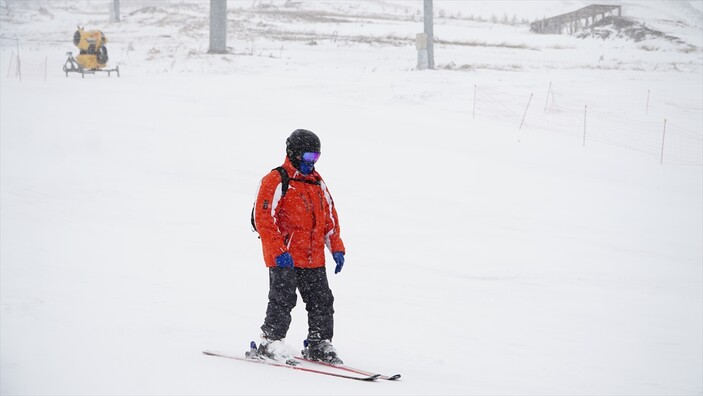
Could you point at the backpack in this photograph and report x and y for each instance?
(285, 181)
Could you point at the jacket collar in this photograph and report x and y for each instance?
(295, 174)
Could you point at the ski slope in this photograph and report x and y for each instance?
(483, 257)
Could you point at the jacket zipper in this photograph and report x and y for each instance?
(310, 208)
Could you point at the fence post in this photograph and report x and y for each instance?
(585, 109)
(646, 109)
(19, 65)
(9, 67)
(473, 116)
(524, 115)
(548, 92)
(661, 159)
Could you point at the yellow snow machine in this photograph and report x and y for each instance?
(93, 54)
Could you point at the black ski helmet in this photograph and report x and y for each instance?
(299, 142)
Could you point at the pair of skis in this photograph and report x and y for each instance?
(349, 372)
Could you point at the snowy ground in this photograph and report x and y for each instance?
(482, 258)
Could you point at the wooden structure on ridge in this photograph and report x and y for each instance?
(574, 21)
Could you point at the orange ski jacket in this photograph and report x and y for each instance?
(302, 222)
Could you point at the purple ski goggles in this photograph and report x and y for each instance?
(310, 157)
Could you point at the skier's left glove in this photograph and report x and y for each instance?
(339, 259)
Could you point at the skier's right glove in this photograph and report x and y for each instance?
(284, 260)
(339, 259)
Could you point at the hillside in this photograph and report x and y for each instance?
(526, 219)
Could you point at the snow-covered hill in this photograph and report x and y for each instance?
(520, 221)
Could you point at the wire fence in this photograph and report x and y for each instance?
(681, 146)
(639, 121)
(27, 69)
(667, 127)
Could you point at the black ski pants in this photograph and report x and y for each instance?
(317, 296)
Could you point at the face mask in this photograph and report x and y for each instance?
(306, 168)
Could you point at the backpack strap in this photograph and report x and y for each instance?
(314, 182)
(284, 189)
(285, 180)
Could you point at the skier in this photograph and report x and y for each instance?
(296, 218)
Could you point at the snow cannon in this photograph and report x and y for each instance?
(91, 43)
(92, 56)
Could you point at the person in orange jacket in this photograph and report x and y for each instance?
(296, 218)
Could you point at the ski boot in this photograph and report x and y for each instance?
(275, 350)
(321, 351)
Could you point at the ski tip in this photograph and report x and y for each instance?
(394, 377)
